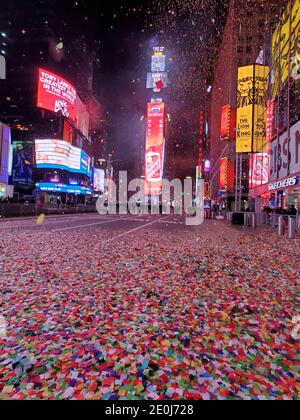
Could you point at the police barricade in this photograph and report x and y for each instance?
(292, 225)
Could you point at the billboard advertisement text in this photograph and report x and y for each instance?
(154, 148)
(22, 167)
(251, 132)
(56, 94)
(226, 174)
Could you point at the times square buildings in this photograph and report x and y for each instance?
(266, 33)
(34, 39)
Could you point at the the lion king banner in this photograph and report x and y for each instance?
(251, 135)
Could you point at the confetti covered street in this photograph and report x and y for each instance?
(146, 308)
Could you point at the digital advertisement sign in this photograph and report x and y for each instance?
(259, 170)
(227, 123)
(251, 134)
(63, 188)
(5, 143)
(286, 46)
(158, 63)
(226, 174)
(154, 148)
(58, 154)
(22, 166)
(56, 94)
(201, 143)
(99, 180)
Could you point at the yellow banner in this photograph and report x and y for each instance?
(251, 134)
(286, 46)
(244, 131)
(260, 109)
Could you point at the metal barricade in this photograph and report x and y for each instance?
(292, 224)
(281, 224)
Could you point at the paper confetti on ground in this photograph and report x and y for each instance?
(151, 316)
(40, 219)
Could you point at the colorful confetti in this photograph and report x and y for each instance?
(202, 314)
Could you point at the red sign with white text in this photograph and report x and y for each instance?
(154, 148)
(270, 121)
(56, 94)
(226, 174)
(227, 123)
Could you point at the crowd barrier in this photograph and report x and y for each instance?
(281, 223)
(32, 210)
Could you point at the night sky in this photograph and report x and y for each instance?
(191, 31)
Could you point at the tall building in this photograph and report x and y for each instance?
(37, 35)
(246, 36)
(281, 188)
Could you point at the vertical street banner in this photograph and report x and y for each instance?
(154, 148)
(226, 174)
(252, 91)
(201, 144)
(227, 123)
(260, 103)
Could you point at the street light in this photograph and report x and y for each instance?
(3, 34)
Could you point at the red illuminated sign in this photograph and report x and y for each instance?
(56, 94)
(270, 121)
(201, 144)
(226, 174)
(154, 148)
(227, 123)
(259, 169)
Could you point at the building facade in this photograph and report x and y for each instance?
(38, 35)
(246, 35)
(281, 189)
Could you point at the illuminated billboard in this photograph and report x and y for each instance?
(58, 154)
(226, 174)
(157, 80)
(158, 63)
(63, 188)
(201, 143)
(259, 170)
(251, 134)
(22, 165)
(99, 180)
(56, 94)
(227, 123)
(154, 148)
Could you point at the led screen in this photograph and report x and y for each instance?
(59, 154)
